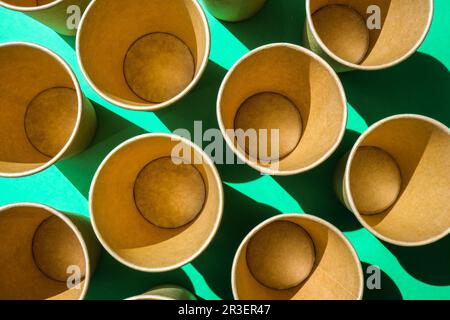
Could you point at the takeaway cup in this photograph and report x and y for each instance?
(45, 254)
(45, 116)
(366, 34)
(396, 180)
(166, 293)
(234, 10)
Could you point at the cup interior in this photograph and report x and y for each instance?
(310, 86)
(28, 3)
(401, 29)
(38, 248)
(421, 149)
(39, 103)
(124, 230)
(336, 274)
(124, 48)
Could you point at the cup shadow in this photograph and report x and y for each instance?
(388, 291)
(114, 281)
(429, 264)
(278, 21)
(200, 105)
(240, 216)
(420, 85)
(111, 131)
(314, 190)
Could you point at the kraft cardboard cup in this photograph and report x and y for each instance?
(45, 254)
(166, 293)
(287, 88)
(45, 116)
(156, 202)
(234, 10)
(143, 55)
(396, 180)
(366, 34)
(296, 257)
(60, 15)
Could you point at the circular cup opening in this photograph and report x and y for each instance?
(129, 216)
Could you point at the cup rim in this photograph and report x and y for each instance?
(76, 128)
(30, 9)
(240, 154)
(281, 217)
(349, 196)
(73, 227)
(208, 162)
(156, 106)
(323, 47)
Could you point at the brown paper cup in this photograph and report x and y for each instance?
(166, 293)
(45, 116)
(130, 204)
(336, 273)
(57, 14)
(290, 89)
(40, 249)
(420, 147)
(338, 31)
(143, 55)
(234, 10)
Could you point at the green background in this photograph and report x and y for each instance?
(420, 85)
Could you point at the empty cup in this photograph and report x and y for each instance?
(296, 257)
(396, 180)
(166, 293)
(60, 15)
(45, 254)
(45, 116)
(156, 202)
(282, 109)
(366, 34)
(143, 55)
(234, 10)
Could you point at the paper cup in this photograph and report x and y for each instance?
(366, 34)
(150, 213)
(234, 10)
(143, 55)
(45, 254)
(280, 250)
(45, 116)
(60, 15)
(286, 88)
(166, 293)
(408, 208)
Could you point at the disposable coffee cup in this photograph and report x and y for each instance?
(234, 10)
(156, 202)
(166, 293)
(366, 34)
(396, 180)
(45, 116)
(291, 100)
(60, 15)
(296, 257)
(45, 254)
(143, 55)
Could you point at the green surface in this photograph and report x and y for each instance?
(420, 85)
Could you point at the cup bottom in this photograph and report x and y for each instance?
(158, 66)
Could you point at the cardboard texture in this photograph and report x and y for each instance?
(45, 116)
(39, 244)
(336, 35)
(143, 55)
(234, 10)
(281, 255)
(337, 273)
(121, 227)
(309, 83)
(54, 14)
(420, 147)
(166, 293)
